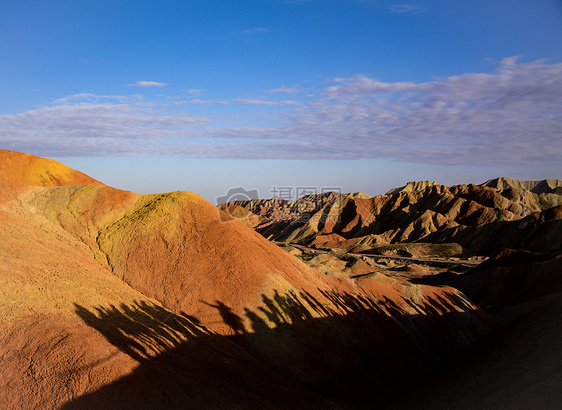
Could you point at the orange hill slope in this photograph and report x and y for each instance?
(28, 169)
(69, 327)
(111, 297)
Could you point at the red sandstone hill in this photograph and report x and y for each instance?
(111, 299)
(484, 219)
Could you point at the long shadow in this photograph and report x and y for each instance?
(182, 365)
(141, 330)
(336, 348)
(292, 351)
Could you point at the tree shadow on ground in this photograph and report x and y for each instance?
(295, 350)
(183, 365)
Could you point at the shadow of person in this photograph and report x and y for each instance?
(230, 318)
(258, 324)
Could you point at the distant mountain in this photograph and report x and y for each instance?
(481, 218)
(502, 183)
(412, 187)
(360, 195)
(537, 187)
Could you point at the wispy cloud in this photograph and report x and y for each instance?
(250, 31)
(406, 8)
(92, 99)
(256, 30)
(508, 116)
(194, 92)
(148, 84)
(88, 125)
(264, 101)
(284, 90)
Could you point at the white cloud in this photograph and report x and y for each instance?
(87, 98)
(509, 116)
(88, 125)
(194, 92)
(256, 30)
(148, 84)
(405, 8)
(249, 32)
(263, 101)
(284, 90)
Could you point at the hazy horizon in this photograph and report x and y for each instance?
(359, 95)
(265, 177)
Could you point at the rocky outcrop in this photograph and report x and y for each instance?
(482, 219)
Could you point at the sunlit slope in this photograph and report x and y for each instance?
(28, 169)
(70, 328)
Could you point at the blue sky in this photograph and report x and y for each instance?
(208, 95)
